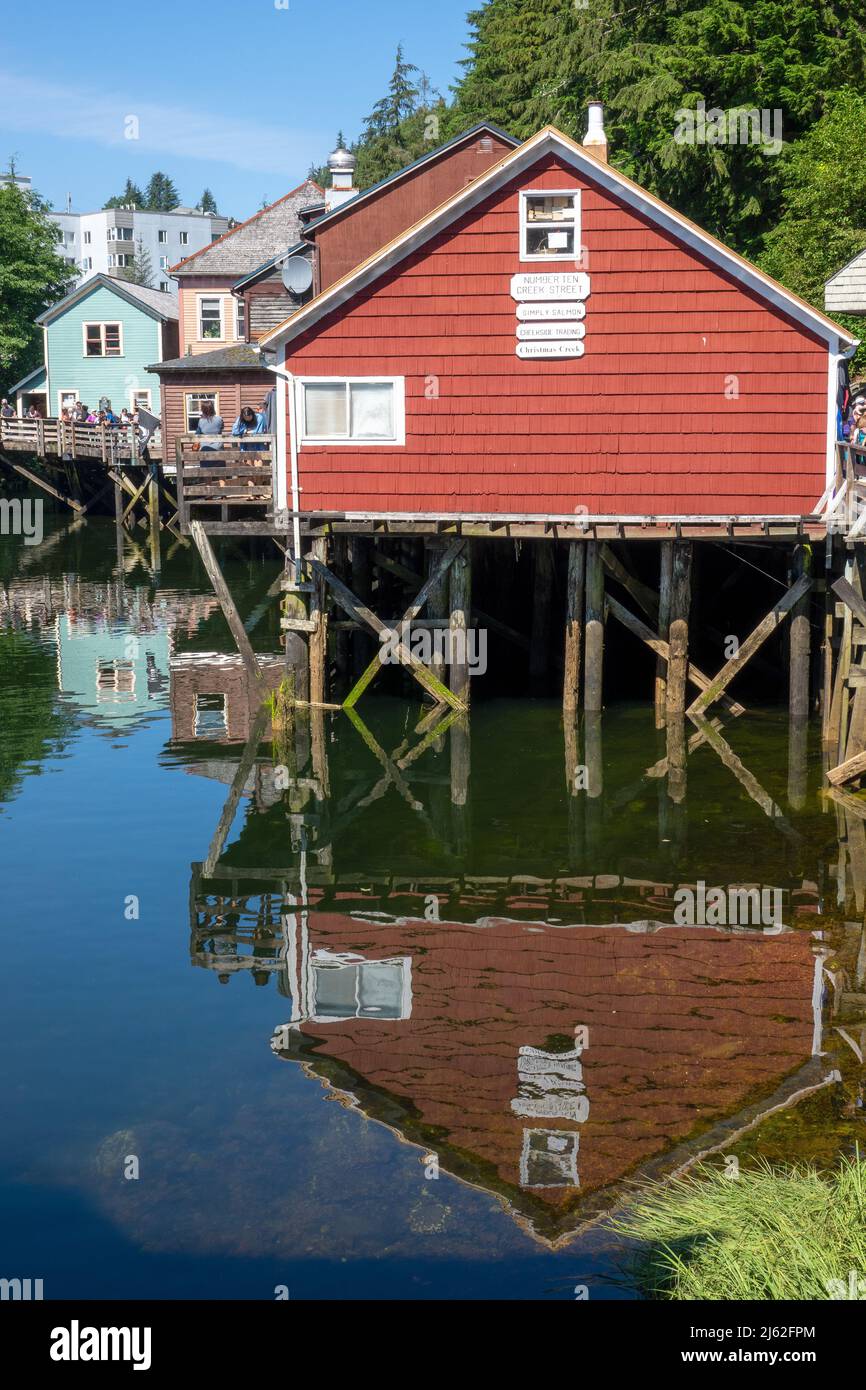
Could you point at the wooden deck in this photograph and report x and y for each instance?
(229, 489)
(55, 438)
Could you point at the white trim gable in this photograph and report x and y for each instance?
(551, 141)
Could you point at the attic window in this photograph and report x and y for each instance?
(549, 224)
(485, 143)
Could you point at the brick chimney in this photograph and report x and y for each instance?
(342, 166)
(595, 139)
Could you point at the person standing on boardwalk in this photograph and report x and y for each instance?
(209, 424)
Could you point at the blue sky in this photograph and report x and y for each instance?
(238, 97)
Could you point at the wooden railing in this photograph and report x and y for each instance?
(63, 440)
(843, 504)
(227, 482)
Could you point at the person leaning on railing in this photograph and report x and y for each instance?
(249, 422)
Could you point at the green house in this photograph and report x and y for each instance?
(99, 341)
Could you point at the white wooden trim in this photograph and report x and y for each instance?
(69, 391)
(203, 294)
(281, 386)
(551, 260)
(546, 141)
(398, 411)
(141, 391)
(833, 359)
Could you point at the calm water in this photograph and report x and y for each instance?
(401, 1030)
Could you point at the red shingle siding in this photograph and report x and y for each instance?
(685, 1027)
(640, 424)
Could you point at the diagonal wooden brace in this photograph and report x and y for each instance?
(776, 616)
(360, 612)
(662, 649)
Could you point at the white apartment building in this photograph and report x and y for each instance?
(106, 241)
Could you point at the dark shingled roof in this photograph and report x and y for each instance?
(245, 247)
(239, 358)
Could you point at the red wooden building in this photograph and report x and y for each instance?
(546, 1064)
(654, 373)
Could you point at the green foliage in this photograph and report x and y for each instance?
(823, 221)
(34, 725)
(32, 276)
(131, 195)
(208, 203)
(771, 1233)
(141, 270)
(161, 195)
(398, 103)
(537, 61)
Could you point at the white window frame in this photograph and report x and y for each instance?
(184, 238)
(163, 262)
(199, 396)
(60, 395)
(120, 234)
(399, 412)
(165, 286)
(328, 960)
(87, 263)
(86, 238)
(550, 258)
(101, 325)
(240, 319)
(198, 303)
(140, 391)
(162, 237)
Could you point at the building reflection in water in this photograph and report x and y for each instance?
(549, 1038)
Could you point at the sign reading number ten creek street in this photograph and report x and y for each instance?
(555, 312)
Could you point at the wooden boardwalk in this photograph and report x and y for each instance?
(56, 439)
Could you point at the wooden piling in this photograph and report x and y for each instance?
(574, 602)
(319, 635)
(594, 633)
(799, 664)
(661, 682)
(461, 608)
(680, 602)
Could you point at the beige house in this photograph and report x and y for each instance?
(211, 317)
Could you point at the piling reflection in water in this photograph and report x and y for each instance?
(547, 1033)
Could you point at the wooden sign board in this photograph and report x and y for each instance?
(537, 313)
(562, 331)
(550, 284)
(560, 348)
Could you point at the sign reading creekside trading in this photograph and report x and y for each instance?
(555, 312)
(562, 331)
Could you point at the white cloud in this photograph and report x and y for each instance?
(73, 113)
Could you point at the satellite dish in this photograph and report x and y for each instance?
(297, 275)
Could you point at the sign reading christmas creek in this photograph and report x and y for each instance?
(550, 311)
